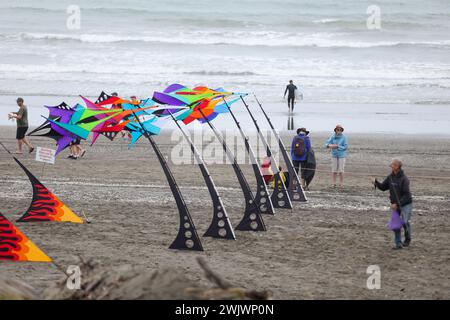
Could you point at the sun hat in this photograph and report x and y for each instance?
(302, 130)
(338, 126)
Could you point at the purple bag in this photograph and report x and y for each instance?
(396, 222)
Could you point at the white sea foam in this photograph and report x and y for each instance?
(240, 38)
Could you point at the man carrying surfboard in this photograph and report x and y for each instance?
(292, 91)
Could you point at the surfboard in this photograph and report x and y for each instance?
(298, 95)
(311, 167)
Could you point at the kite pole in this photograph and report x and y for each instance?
(42, 171)
(295, 189)
(220, 226)
(4, 147)
(280, 196)
(252, 219)
(262, 194)
(187, 238)
(85, 218)
(60, 268)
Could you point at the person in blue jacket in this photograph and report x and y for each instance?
(338, 145)
(301, 144)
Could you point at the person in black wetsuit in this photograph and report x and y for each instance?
(290, 89)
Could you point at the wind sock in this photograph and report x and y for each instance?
(15, 246)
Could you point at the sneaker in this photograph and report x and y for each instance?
(398, 247)
(70, 156)
(406, 243)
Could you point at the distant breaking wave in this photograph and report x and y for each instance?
(220, 73)
(240, 38)
(327, 20)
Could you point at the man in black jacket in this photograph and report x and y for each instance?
(401, 200)
(290, 90)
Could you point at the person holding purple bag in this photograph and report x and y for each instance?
(401, 202)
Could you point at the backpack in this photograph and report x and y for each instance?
(299, 146)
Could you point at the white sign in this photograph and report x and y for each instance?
(45, 155)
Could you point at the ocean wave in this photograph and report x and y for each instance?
(238, 38)
(433, 102)
(169, 14)
(314, 73)
(327, 20)
(220, 73)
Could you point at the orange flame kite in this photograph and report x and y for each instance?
(15, 246)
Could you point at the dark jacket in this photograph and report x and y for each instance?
(398, 186)
(291, 89)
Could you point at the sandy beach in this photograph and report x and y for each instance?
(320, 249)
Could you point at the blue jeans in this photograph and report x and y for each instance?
(406, 212)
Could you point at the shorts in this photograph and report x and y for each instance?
(20, 133)
(337, 165)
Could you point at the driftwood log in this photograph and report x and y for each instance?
(226, 290)
(130, 282)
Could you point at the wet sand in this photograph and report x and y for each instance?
(320, 249)
(384, 118)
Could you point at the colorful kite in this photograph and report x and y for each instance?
(45, 206)
(61, 113)
(109, 115)
(15, 246)
(65, 124)
(209, 101)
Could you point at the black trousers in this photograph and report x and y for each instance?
(300, 165)
(291, 103)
